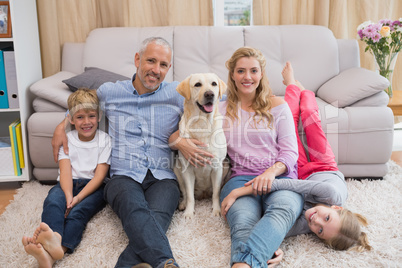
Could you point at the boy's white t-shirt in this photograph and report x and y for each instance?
(86, 155)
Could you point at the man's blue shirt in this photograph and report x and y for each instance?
(140, 127)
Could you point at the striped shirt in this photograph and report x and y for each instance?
(140, 127)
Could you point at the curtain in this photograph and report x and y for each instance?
(71, 20)
(341, 16)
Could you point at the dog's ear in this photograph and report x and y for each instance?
(222, 88)
(184, 88)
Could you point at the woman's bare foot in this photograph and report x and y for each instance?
(51, 241)
(287, 74)
(38, 252)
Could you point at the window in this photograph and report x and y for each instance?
(232, 12)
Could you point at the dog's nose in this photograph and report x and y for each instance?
(209, 95)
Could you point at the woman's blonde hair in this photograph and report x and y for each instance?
(262, 102)
(350, 236)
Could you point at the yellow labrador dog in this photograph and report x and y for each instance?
(201, 120)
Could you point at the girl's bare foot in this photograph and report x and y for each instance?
(38, 252)
(299, 85)
(287, 74)
(51, 241)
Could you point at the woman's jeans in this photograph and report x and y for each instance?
(258, 224)
(71, 227)
(145, 210)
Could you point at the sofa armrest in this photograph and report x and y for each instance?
(349, 55)
(53, 89)
(72, 57)
(350, 86)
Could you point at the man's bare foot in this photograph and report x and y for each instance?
(38, 252)
(51, 241)
(287, 74)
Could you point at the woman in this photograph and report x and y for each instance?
(262, 146)
(321, 183)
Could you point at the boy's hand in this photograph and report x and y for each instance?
(72, 204)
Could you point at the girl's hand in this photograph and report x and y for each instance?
(278, 258)
(227, 203)
(71, 204)
(262, 184)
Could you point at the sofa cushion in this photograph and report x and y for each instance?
(92, 78)
(114, 48)
(351, 86)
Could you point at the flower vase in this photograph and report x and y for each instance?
(384, 65)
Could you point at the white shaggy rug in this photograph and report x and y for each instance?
(204, 241)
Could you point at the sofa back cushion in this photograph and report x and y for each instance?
(204, 49)
(312, 50)
(113, 49)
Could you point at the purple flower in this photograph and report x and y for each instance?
(376, 37)
(385, 22)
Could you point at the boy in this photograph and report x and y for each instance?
(78, 195)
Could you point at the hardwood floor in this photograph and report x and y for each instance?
(8, 189)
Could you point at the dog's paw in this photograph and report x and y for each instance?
(188, 214)
(182, 206)
(216, 212)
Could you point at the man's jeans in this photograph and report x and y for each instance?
(145, 211)
(258, 224)
(71, 227)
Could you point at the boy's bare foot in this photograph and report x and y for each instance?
(38, 252)
(51, 241)
(287, 74)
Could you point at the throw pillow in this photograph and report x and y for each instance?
(92, 78)
(351, 86)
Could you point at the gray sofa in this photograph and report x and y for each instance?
(353, 106)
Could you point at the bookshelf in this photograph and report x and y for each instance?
(25, 40)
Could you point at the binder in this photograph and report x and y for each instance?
(14, 148)
(18, 133)
(11, 79)
(3, 84)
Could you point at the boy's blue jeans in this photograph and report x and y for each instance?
(145, 210)
(71, 227)
(258, 224)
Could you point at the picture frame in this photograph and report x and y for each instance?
(5, 20)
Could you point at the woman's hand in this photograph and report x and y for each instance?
(262, 184)
(278, 258)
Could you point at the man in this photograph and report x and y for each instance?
(143, 191)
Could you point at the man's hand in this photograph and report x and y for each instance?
(59, 139)
(191, 149)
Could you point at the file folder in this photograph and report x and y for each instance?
(3, 84)
(11, 79)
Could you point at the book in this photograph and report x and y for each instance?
(18, 132)
(11, 79)
(3, 84)
(14, 148)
